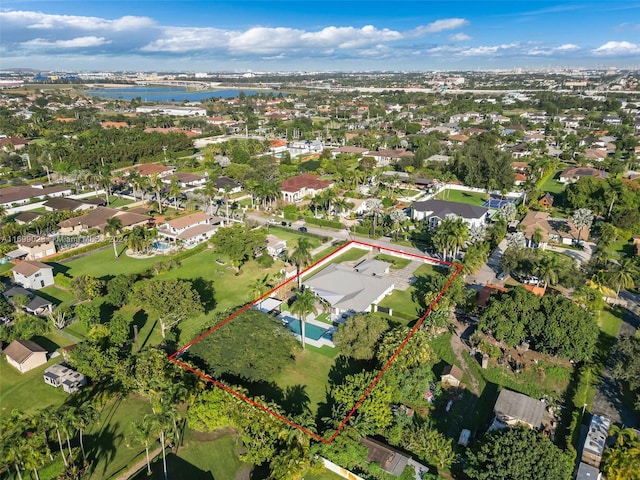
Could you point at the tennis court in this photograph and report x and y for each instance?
(498, 202)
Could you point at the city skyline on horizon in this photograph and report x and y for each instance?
(318, 36)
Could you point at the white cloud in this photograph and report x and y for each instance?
(78, 42)
(459, 37)
(562, 49)
(617, 49)
(44, 21)
(568, 47)
(186, 39)
(442, 25)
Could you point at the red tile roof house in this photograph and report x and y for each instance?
(296, 188)
(149, 169)
(32, 274)
(190, 229)
(25, 355)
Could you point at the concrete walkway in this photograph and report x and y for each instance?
(139, 465)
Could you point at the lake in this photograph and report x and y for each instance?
(164, 94)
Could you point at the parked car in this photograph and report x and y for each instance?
(284, 224)
(303, 229)
(502, 275)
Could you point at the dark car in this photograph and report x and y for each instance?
(284, 224)
(502, 275)
(303, 229)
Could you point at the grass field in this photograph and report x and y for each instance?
(27, 392)
(311, 370)
(552, 185)
(95, 264)
(459, 196)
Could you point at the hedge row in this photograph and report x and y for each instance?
(324, 223)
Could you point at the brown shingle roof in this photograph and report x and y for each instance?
(306, 180)
(29, 267)
(20, 350)
(188, 220)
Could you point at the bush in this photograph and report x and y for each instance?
(265, 261)
(63, 281)
(324, 223)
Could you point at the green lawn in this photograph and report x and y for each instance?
(402, 303)
(324, 253)
(27, 392)
(397, 263)
(109, 442)
(326, 475)
(201, 458)
(291, 236)
(552, 185)
(102, 263)
(609, 321)
(311, 370)
(472, 198)
(56, 294)
(116, 201)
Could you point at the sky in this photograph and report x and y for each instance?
(300, 35)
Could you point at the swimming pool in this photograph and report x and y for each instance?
(310, 331)
(161, 246)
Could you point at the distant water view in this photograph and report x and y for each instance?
(164, 94)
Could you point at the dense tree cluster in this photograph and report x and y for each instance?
(553, 324)
(518, 452)
(480, 164)
(251, 346)
(626, 365)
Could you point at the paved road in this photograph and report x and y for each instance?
(487, 273)
(582, 256)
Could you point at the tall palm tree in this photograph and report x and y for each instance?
(301, 256)
(548, 269)
(142, 434)
(174, 191)
(113, 228)
(623, 275)
(133, 178)
(84, 416)
(303, 305)
(156, 184)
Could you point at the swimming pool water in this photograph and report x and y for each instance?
(310, 331)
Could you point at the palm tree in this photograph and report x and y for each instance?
(623, 276)
(142, 435)
(582, 218)
(210, 191)
(84, 416)
(303, 305)
(301, 256)
(456, 231)
(548, 269)
(156, 184)
(174, 191)
(113, 228)
(260, 286)
(137, 240)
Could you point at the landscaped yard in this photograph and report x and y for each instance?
(27, 392)
(311, 370)
(397, 263)
(472, 198)
(552, 185)
(95, 263)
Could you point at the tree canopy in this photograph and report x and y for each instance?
(252, 346)
(359, 336)
(239, 243)
(518, 452)
(555, 324)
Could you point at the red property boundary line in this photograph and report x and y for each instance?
(353, 243)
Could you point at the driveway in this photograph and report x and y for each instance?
(581, 256)
(487, 273)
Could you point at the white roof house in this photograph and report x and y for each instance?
(352, 289)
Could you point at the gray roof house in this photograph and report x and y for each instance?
(434, 211)
(514, 408)
(59, 375)
(354, 289)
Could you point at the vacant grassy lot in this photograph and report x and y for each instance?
(459, 196)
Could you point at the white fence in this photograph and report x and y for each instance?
(343, 472)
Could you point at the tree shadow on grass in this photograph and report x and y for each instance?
(44, 342)
(206, 291)
(176, 468)
(102, 446)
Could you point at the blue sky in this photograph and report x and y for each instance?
(298, 35)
